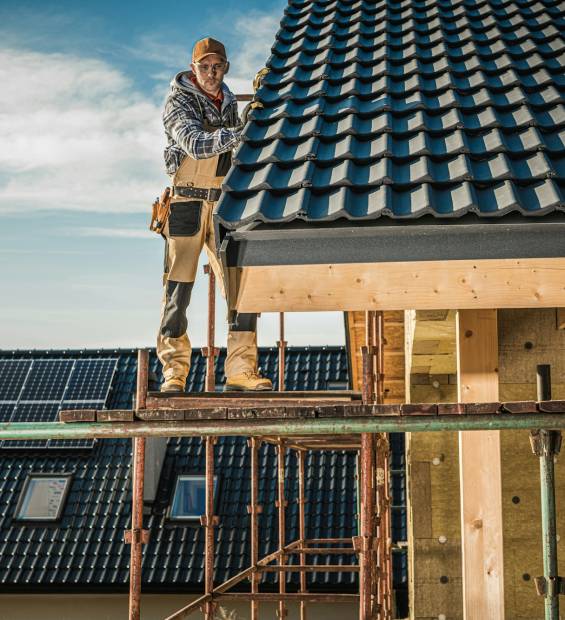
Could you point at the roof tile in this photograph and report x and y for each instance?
(462, 95)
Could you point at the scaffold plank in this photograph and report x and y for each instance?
(317, 410)
(115, 415)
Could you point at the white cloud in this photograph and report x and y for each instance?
(123, 233)
(77, 135)
(160, 50)
(255, 31)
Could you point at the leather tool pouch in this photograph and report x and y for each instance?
(160, 211)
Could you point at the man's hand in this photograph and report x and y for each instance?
(255, 104)
(252, 105)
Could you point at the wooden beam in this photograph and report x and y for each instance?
(465, 284)
(480, 470)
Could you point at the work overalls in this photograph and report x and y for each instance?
(188, 230)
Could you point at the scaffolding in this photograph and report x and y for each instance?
(373, 544)
(304, 421)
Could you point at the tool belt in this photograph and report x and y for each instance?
(160, 211)
(161, 207)
(200, 193)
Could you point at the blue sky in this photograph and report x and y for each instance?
(81, 160)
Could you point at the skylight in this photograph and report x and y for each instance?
(189, 499)
(43, 497)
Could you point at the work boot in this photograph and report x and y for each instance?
(241, 364)
(249, 381)
(174, 384)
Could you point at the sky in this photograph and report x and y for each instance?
(83, 84)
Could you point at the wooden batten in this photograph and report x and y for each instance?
(480, 470)
(463, 284)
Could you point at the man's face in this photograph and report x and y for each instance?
(209, 72)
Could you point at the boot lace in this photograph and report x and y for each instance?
(252, 374)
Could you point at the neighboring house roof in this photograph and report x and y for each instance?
(85, 550)
(395, 110)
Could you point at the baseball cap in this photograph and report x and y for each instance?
(207, 46)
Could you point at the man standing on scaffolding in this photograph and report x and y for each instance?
(202, 128)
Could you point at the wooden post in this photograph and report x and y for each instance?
(480, 470)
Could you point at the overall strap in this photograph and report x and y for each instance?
(202, 173)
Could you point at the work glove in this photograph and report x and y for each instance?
(254, 104)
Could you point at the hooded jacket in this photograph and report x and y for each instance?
(186, 111)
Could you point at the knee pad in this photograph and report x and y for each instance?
(174, 322)
(244, 322)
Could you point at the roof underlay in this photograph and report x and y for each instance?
(403, 131)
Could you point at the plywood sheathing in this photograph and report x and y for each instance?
(526, 338)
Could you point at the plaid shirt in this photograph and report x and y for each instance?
(187, 110)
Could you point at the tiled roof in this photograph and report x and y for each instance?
(85, 550)
(401, 108)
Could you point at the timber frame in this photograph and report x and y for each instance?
(459, 284)
(403, 264)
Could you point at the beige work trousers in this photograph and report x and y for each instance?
(188, 231)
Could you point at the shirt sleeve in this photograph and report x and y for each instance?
(183, 123)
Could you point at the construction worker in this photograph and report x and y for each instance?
(202, 128)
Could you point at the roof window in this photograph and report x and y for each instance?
(189, 498)
(43, 497)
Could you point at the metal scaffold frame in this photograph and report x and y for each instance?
(305, 421)
(373, 545)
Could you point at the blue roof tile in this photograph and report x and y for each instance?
(434, 99)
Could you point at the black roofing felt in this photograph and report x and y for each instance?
(401, 108)
(85, 550)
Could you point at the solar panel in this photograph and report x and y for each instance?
(13, 374)
(39, 389)
(35, 412)
(90, 380)
(47, 380)
(6, 412)
(73, 443)
(32, 412)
